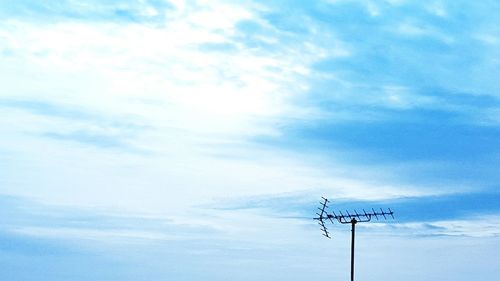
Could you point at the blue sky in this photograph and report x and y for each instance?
(192, 140)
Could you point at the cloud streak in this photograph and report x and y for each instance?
(209, 127)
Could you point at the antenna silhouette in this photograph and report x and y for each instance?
(353, 219)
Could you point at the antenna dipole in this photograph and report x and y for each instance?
(352, 219)
(322, 216)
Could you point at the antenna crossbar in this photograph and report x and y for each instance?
(359, 217)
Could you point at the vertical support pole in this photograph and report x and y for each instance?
(353, 228)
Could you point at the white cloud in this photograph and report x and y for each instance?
(118, 65)
(185, 99)
(160, 118)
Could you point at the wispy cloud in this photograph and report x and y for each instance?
(445, 214)
(240, 110)
(311, 99)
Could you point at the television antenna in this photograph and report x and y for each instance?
(348, 218)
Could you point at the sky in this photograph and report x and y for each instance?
(193, 140)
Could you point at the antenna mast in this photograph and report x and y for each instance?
(353, 219)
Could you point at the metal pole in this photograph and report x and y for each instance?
(353, 227)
